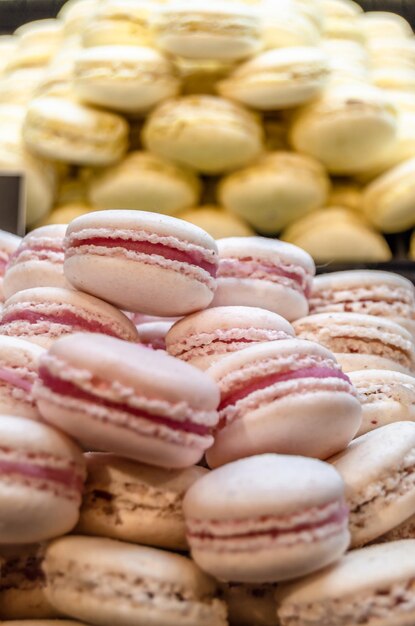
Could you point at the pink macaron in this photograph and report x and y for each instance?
(272, 274)
(19, 361)
(37, 262)
(41, 480)
(204, 338)
(267, 518)
(153, 334)
(8, 244)
(120, 397)
(141, 261)
(288, 397)
(44, 314)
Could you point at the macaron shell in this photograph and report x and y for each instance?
(357, 362)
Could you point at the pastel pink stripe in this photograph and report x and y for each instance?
(66, 477)
(11, 377)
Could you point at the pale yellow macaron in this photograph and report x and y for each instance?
(283, 25)
(209, 134)
(40, 176)
(65, 130)
(38, 41)
(389, 200)
(394, 77)
(347, 128)
(217, 222)
(377, 24)
(8, 45)
(75, 14)
(348, 29)
(128, 79)
(340, 8)
(278, 79)
(20, 86)
(207, 30)
(337, 234)
(275, 191)
(64, 214)
(119, 22)
(145, 182)
(396, 51)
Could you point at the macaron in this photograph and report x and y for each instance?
(43, 314)
(153, 334)
(378, 471)
(278, 78)
(218, 31)
(204, 338)
(357, 117)
(118, 22)
(388, 200)
(37, 262)
(371, 584)
(37, 43)
(22, 587)
(360, 341)
(128, 584)
(250, 604)
(284, 26)
(378, 24)
(65, 213)
(280, 397)
(386, 397)
(268, 518)
(216, 222)
(262, 272)
(8, 245)
(19, 360)
(207, 133)
(141, 261)
(145, 182)
(124, 398)
(372, 292)
(74, 15)
(275, 191)
(42, 475)
(135, 502)
(129, 79)
(65, 130)
(406, 530)
(336, 234)
(341, 8)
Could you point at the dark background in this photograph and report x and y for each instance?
(13, 13)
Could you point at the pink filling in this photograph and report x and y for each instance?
(9, 376)
(338, 517)
(42, 250)
(66, 477)
(244, 267)
(266, 381)
(66, 318)
(64, 388)
(192, 257)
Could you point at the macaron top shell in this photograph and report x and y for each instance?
(267, 249)
(8, 241)
(135, 222)
(375, 455)
(337, 281)
(267, 484)
(372, 568)
(154, 374)
(17, 352)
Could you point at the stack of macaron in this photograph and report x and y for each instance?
(235, 115)
(198, 431)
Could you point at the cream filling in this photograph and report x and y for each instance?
(220, 25)
(370, 393)
(359, 608)
(396, 301)
(138, 593)
(382, 493)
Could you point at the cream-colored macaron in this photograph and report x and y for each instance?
(217, 222)
(397, 51)
(278, 79)
(344, 29)
(207, 30)
(64, 130)
(75, 14)
(37, 43)
(389, 200)
(129, 79)
(376, 24)
(346, 194)
(347, 128)
(40, 176)
(283, 26)
(119, 22)
(275, 191)
(208, 134)
(19, 87)
(340, 8)
(145, 182)
(337, 234)
(8, 45)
